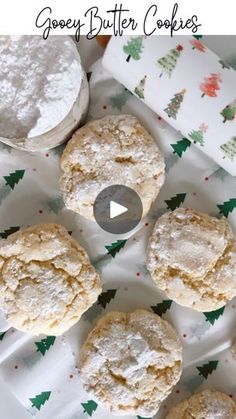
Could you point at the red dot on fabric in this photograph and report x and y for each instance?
(40, 211)
(231, 395)
(71, 376)
(206, 178)
(184, 335)
(146, 224)
(138, 273)
(104, 107)
(47, 155)
(16, 367)
(194, 194)
(81, 230)
(34, 170)
(159, 118)
(177, 391)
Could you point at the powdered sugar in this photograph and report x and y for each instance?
(126, 358)
(191, 256)
(39, 82)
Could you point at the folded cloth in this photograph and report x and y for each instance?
(186, 84)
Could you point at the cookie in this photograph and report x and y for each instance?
(192, 257)
(47, 281)
(130, 362)
(209, 404)
(113, 150)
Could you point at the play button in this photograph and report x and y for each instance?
(118, 209)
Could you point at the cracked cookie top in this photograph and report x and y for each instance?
(208, 404)
(192, 257)
(46, 280)
(130, 362)
(113, 150)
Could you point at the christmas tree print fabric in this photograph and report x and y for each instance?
(187, 84)
(41, 371)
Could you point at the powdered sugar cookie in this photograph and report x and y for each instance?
(192, 257)
(130, 362)
(209, 404)
(47, 281)
(114, 149)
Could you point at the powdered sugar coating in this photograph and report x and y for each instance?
(130, 362)
(47, 281)
(192, 257)
(39, 83)
(113, 150)
(209, 404)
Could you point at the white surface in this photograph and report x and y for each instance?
(10, 408)
(116, 209)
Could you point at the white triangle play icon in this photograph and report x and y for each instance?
(116, 209)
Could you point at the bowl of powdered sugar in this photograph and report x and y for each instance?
(43, 91)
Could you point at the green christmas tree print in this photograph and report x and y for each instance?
(162, 307)
(197, 36)
(229, 112)
(174, 105)
(229, 149)
(198, 135)
(120, 99)
(139, 89)
(45, 344)
(224, 64)
(207, 369)
(2, 335)
(169, 61)
(4, 234)
(212, 316)
(141, 417)
(227, 207)
(90, 407)
(39, 400)
(175, 201)
(181, 146)
(106, 297)
(133, 48)
(220, 173)
(54, 204)
(13, 178)
(115, 247)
